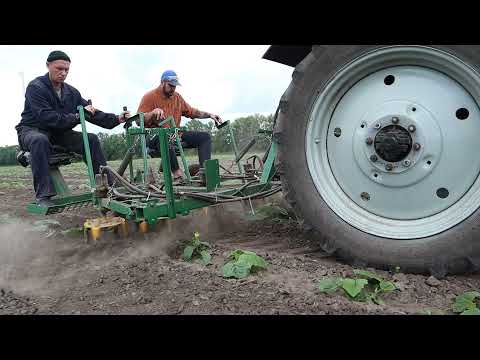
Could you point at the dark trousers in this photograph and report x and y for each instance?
(190, 140)
(39, 144)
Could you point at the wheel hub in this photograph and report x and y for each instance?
(393, 143)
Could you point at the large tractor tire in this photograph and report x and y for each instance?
(379, 154)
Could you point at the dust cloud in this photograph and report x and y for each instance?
(33, 261)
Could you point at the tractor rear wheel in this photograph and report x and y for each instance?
(378, 153)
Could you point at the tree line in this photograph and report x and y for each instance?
(244, 130)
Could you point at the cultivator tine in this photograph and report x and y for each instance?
(124, 229)
(143, 227)
(93, 228)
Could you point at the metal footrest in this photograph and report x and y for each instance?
(67, 203)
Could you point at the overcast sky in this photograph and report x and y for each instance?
(229, 80)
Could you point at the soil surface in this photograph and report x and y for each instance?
(45, 269)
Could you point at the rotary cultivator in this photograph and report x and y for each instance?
(145, 197)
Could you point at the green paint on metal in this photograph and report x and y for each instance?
(117, 206)
(59, 183)
(129, 146)
(86, 145)
(60, 204)
(212, 174)
(268, 169)
(167, 175)
(144, 148)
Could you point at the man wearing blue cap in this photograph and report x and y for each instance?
(49, 115)
(162, 102)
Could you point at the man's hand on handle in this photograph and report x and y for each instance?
(158, 114)
(123, 116)
(90, 109)
(218, 120)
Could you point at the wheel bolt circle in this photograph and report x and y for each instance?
(395, 120)
(369, 141)
(389, 167)
(374, 158)
(412, 128)
(417, 146)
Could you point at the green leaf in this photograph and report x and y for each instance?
(206, 257)
(188, 252)
(236, 270)
(368, 275)
(471, 312)
(377, 300)
(386, 286)
(75, 231)
(235, 254)
(354, 286)
(465, 301)
(328, 285)
(252, 259)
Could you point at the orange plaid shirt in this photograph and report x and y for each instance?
(174, 106)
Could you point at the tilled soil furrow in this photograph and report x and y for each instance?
(62, 275)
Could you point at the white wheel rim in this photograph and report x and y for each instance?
(429, 190)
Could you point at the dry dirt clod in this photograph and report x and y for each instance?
(400, 277)
(433, 281)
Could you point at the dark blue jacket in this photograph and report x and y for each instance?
(44, 110)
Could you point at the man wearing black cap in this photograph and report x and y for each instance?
(49, 115)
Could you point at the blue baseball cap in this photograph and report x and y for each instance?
(171, 77)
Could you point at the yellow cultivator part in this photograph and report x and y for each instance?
(93, 228)
(143, 227)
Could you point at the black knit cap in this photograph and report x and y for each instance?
(58, 55)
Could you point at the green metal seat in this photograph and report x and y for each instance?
(65, 200)
(59, 157)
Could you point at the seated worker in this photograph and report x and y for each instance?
(162, 102)
(49, 115)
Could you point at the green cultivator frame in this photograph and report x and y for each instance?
(145, 197)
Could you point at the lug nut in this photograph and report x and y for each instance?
(374, 158)
(412, 128)
(395, 120)
(417, 146)
(407, 163)
(365, 196)
(377, 126)
(389, 167)
(369, 141)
